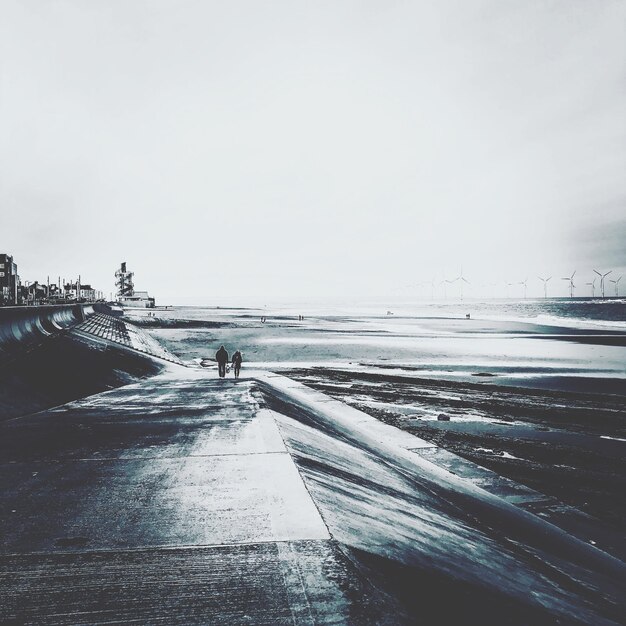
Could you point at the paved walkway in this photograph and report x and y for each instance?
(189, 500)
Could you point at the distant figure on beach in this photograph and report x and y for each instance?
(221, 356)
(237, 359)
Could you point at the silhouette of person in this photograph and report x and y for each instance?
(221, 356)
(237, 359)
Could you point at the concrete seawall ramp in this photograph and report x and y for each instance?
(183, 499)
(379, 494)
(53, 354)
(22, 328)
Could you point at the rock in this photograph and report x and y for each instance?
(442, 417)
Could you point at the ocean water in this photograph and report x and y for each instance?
(578, 312)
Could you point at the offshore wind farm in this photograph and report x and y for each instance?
(477, 288)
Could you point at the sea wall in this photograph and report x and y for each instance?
(22, 328)
(46, 361)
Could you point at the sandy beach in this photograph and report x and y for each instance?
(541, 403)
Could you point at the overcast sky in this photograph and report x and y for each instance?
(282, 148)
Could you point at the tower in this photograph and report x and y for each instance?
(124, 282)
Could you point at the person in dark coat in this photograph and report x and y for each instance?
(221, 356)
(237, 359)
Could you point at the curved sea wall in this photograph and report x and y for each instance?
(25, 327)
(45, 360)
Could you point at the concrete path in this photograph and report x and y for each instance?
(166, 502)
(189, 500)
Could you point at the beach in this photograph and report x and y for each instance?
(539, 399)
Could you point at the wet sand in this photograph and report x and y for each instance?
(543, 405)
(566, 444)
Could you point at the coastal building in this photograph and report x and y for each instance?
(9, 281)
(70, 291)
(79, 291)
(55, 293)
(32, 293)
(14, 292)
(89, 294)
(139, 299)
(126, 294)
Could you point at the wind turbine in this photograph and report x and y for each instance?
(462, 279)
(602, 277)
(572, 286)
(593, 287)
(545, 285)
(616, 283)
(524, 282)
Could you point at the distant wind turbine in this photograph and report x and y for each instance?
(545, 285)
(602, 277)
(593, 287)
(616, 283)
(572, 286)
(525, 284)
(462, 280)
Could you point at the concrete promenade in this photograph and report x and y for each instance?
(171, 501)
(184, 499)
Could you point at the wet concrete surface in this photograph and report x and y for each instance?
(129, 507)
(305, 582)
(154, 479)
(184, 499)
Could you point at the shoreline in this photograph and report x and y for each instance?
(542, 405)
(566, 444)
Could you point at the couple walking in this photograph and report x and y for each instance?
(221, 356)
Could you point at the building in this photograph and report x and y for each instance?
(126, 294)
(34, 293)
(139, 300)
(54, 293)
(84, 293)
(69, 291)
(9, 281)
(88, 293)
(124, 282)
(13, 292)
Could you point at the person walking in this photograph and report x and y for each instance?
(221, 356)
(237, 359)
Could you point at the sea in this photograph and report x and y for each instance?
(578, 312)
(593, 313)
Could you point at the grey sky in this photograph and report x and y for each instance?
(274, 149)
